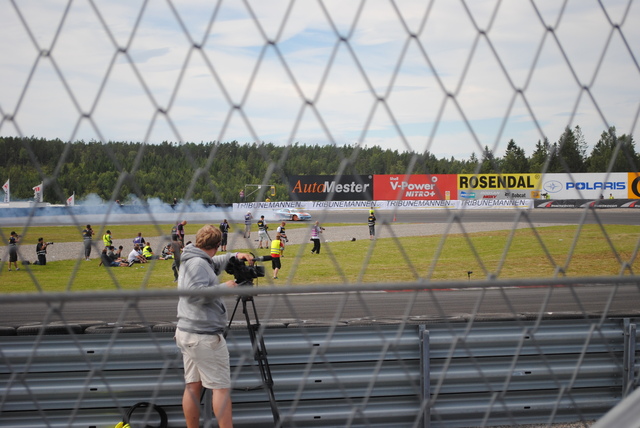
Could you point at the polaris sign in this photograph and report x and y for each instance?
(585, 186)
(598, 185)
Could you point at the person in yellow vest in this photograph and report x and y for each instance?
(107, 239)
(277, 250)
(147, 252)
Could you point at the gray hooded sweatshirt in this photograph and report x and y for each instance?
(197, 314)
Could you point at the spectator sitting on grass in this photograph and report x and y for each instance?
(111, 252)
(135, 256)
(147, 252)
(167, 252)
(109, 262)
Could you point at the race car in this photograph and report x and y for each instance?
(291, 214)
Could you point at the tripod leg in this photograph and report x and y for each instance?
(233, 314)
(205, 402)
(260, 355)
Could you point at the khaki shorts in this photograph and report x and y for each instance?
(206, 359)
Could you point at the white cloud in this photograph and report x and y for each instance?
(238, 71)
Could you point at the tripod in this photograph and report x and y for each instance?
(259, 350)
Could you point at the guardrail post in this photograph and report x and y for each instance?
(426, 377)
(629, 357)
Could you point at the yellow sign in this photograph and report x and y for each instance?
(499, 181)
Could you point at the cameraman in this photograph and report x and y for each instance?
(41, 251)
(13, 250)
(87, 235)
(224, 228)
(201, 324)
(371, 222)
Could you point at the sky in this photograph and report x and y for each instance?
(450, 77)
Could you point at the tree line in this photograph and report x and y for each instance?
(216, 172)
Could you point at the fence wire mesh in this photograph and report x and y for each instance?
(408, 75)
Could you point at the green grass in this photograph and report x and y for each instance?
(530, 255)
(450, 258)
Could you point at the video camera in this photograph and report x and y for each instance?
(245, 274)
(49, 243)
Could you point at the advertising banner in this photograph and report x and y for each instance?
(465, 187)
(496, 203)
(415, 187)
(328, 188)
(592, 203)
(271, 209)
(499, 186)
(616, 185)
(634, 185)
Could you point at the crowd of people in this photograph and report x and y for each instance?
(140, 253)
(143, 253)
(112, 257)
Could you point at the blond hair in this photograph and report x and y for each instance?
(208, 237)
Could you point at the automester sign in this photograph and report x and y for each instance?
(327, 187)
(415, 187)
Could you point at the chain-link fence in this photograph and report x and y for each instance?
(525, 321)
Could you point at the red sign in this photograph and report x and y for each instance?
(415, 187)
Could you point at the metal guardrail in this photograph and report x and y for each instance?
(487, 373)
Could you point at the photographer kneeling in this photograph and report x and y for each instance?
(201, 325)
(41, 251)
